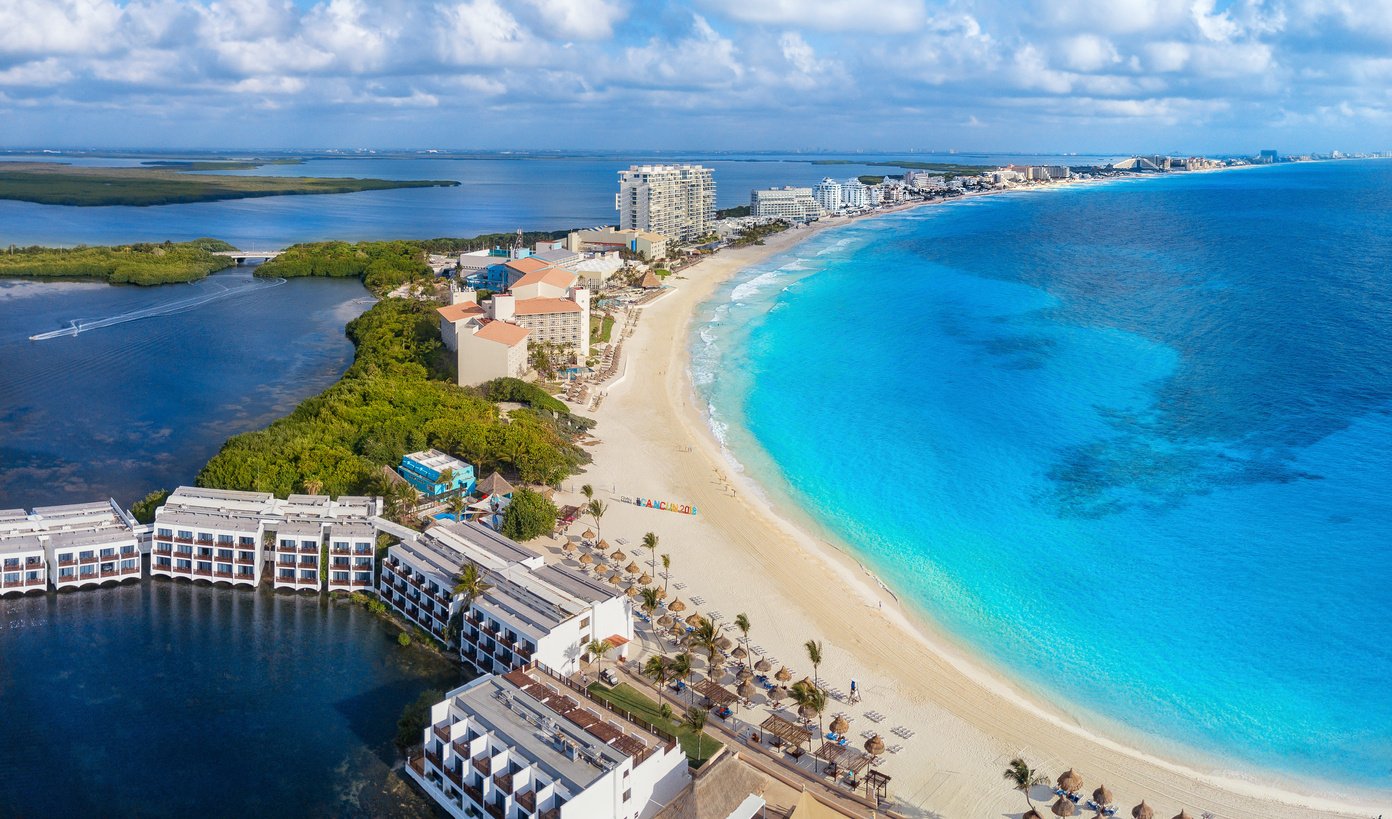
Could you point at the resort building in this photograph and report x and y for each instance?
(828, 195)
(530, 611)
(676, 201)
(796, 204)
(528, 744)
(227, 536)
(856, 195)
(436, 474)
(83, 544)
(642, 243)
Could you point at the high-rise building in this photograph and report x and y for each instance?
(784, 203)
(676, 201)
(855, 195)
(828, 195)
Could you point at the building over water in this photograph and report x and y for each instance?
(676, 201)
(527, 744)
(83, 544)
(223, 535)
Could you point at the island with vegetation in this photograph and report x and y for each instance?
(144, 263)
(54, 183)
(948, 169)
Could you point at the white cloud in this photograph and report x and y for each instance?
(1089, 52)
(578, 19)
(53, 27)
(885, 16)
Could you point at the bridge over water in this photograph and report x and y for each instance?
(243, 256)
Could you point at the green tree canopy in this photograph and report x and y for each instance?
(529, 515)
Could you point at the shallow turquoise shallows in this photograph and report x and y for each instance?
(1132, 442)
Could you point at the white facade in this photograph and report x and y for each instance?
(84, 544)
(227, 536)
(796, 204)
(525, 745)
(676, 201)
(855, 195)
(828, 195)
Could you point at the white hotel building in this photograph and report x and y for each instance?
(676, 201)
(532, 612)
(526, 745)
(84, 544)
(796, 204)
(227, 536)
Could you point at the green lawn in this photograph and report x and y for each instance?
(600, 328)
(632, 700)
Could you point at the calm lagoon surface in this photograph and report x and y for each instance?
(1128, 442)
(169, 699)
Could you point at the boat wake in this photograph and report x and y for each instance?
(168, 308)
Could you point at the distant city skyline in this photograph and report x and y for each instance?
(893, 75)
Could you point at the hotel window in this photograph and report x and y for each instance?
(185, 534)
(166, 534)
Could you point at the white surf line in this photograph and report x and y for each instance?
(77, 326)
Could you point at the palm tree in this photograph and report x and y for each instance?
(445, 477)
(597, 649)
(814, 655)
(659, 669)
(695, 719)
(665, 711)
(313, 486)
(705, 636)
(588, 492)
(1023, 777)
(456, 506)
(650, 543)
(742, 623)
(596, 508)
(813, 699)
(650, 599)
(470, 583)
(666, 570)
(681, 668)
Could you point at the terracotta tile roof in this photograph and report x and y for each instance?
(457, 312)
(555, 276)
(527, 265)
(501, 332)
(535, 307)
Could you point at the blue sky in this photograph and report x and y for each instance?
(1029, 75)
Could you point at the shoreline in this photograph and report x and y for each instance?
(988, 716)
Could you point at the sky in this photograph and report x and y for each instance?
(1103, 76)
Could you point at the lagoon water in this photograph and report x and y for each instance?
(166, 699)
(1128, 442)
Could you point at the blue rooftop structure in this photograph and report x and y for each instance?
(424, 470)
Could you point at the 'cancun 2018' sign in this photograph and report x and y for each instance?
(666, 506)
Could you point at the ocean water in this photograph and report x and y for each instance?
(496, 194)
(166, 699)
(1130, 442)
(145, 398)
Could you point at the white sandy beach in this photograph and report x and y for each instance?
(741, 556)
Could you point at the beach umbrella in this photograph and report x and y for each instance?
(1102, 796)
(603, 545)
(665, 621)
(1031, 814)
(645, 579)
(874, 746)
(783, 674)
(1070, 780)
(1184, 814)
(744, 675)
(694, 619)
(677, 605)
(738, 653)
(778, 693)
(762, 666)
(724, 643)
(1142, 811)
(633, 568)
(587, 534)
(806, 682)
(745, 690)
(618, 557)
(661, 594)
(615, 578)
(840, 725)
(567, 546)
(678, 629)
(586, 559)
(1063, 807)
(631, 591)
(807, 712)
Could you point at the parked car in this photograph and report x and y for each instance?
(609, 677)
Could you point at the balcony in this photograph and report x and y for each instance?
(527, 799)
(309, 550)
(187, 540)
(483, 765)
(246, 561)
(205, 541)
(360, 584)
(456, 776)
(105, 573)
(281, 578)
(340, 550)
(67, 562)
(202, 572)
(223, 575)
(475, 794)
(130, 570)
(433, 757)
(442, 731)
(503, 781)
(36, 581)
(89, 560)
(495, 811)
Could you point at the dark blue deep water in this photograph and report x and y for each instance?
(166, 699)
(1132, 442)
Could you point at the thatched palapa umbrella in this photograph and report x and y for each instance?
(724, 643)
(1143, 811)
(874, 746)
(679, 628)
(588, 534)
(1063, 807)
(1031, 814)
(631, 591)
(586, 559)
(778, 693)
(694, 620)
(1071, 781)
(840, 725)
(806, 682)
(618, 557)
(744, 675)
(762, 666)
(745, 690)
(633, 568)
(738, 653)
(665, 621)
(615, 579)
(1102, 796)
(603, 545)
(568, 546)
(645, 579)
(783, 674)
(1184, 814)
(677, 605)
(807, 712)
(661, 594)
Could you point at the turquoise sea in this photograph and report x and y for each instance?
(1128, 442)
